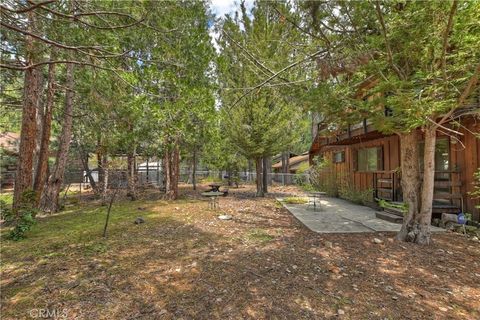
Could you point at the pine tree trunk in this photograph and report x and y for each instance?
(266, 170)
(285, 161)
(131, 176)
(42, 162)
(40, 118)
(50, 196)
(102, 159)
(175, 171)
(194, 170)
(88, 172)
(172, 171)
(410, 181)
(166, 171)
(24, 174)
(250, 168)
(105, 180)
(425, 216)
(259, 166)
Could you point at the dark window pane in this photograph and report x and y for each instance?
(369, 159)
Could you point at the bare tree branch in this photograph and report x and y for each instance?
(470, 87)
(278, 73)
(448, 29)
(23, 68)
(24, 10)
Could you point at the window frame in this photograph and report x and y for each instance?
(421, 148)
(379, 163)
(342, 156)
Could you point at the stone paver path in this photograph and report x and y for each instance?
(341, 216)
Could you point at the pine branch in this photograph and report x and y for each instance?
(65, 46)
(24, 10)
(471, 86)
(23, 68)
(277, 74)
(387, 42)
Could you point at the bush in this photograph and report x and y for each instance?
(295, 200)
(6, 213)
(403, 207)
(348, 191)
(476, 186)
(322, 177)
(26, 215)
(300, 180)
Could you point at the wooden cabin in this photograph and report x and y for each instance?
(371, 160)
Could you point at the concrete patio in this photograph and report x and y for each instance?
(341, 216)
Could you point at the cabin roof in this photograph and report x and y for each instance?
(292, 161)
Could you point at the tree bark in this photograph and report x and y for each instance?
(42, 161)
(102, 160)
(285, 161)
(250, 168)
(172, 169)
(131, 175)
(425, 216)
(24, 174)
(259, 180)
(86, 168)
(176, 169)
(194, 170)
(410, 182)
(50, 196)
(40, 118)
(266, 170)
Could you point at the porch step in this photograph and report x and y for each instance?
(388, 217)
(394, 211)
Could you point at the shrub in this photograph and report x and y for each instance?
(476, 186)
(348, 191)
(323, 178)
(295, 200)
(26, 215)
(386, 204)
(300, 179)
(6, 213)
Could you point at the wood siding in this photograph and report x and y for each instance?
(464, 161)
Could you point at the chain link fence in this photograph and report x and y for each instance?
(154, 178)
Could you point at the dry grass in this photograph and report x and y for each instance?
(185, 263)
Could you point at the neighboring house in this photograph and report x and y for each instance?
(294, 163)
(371, 160)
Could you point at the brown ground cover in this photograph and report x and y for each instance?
(185, 263)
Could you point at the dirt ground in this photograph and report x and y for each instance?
(185, 263)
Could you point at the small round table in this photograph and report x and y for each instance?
(316, 195)
(213, 195)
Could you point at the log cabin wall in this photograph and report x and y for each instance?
(390, 161)
(464, 158)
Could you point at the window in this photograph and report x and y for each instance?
(339, 157)
(370, 159)
(442, 164)
(442, 155)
